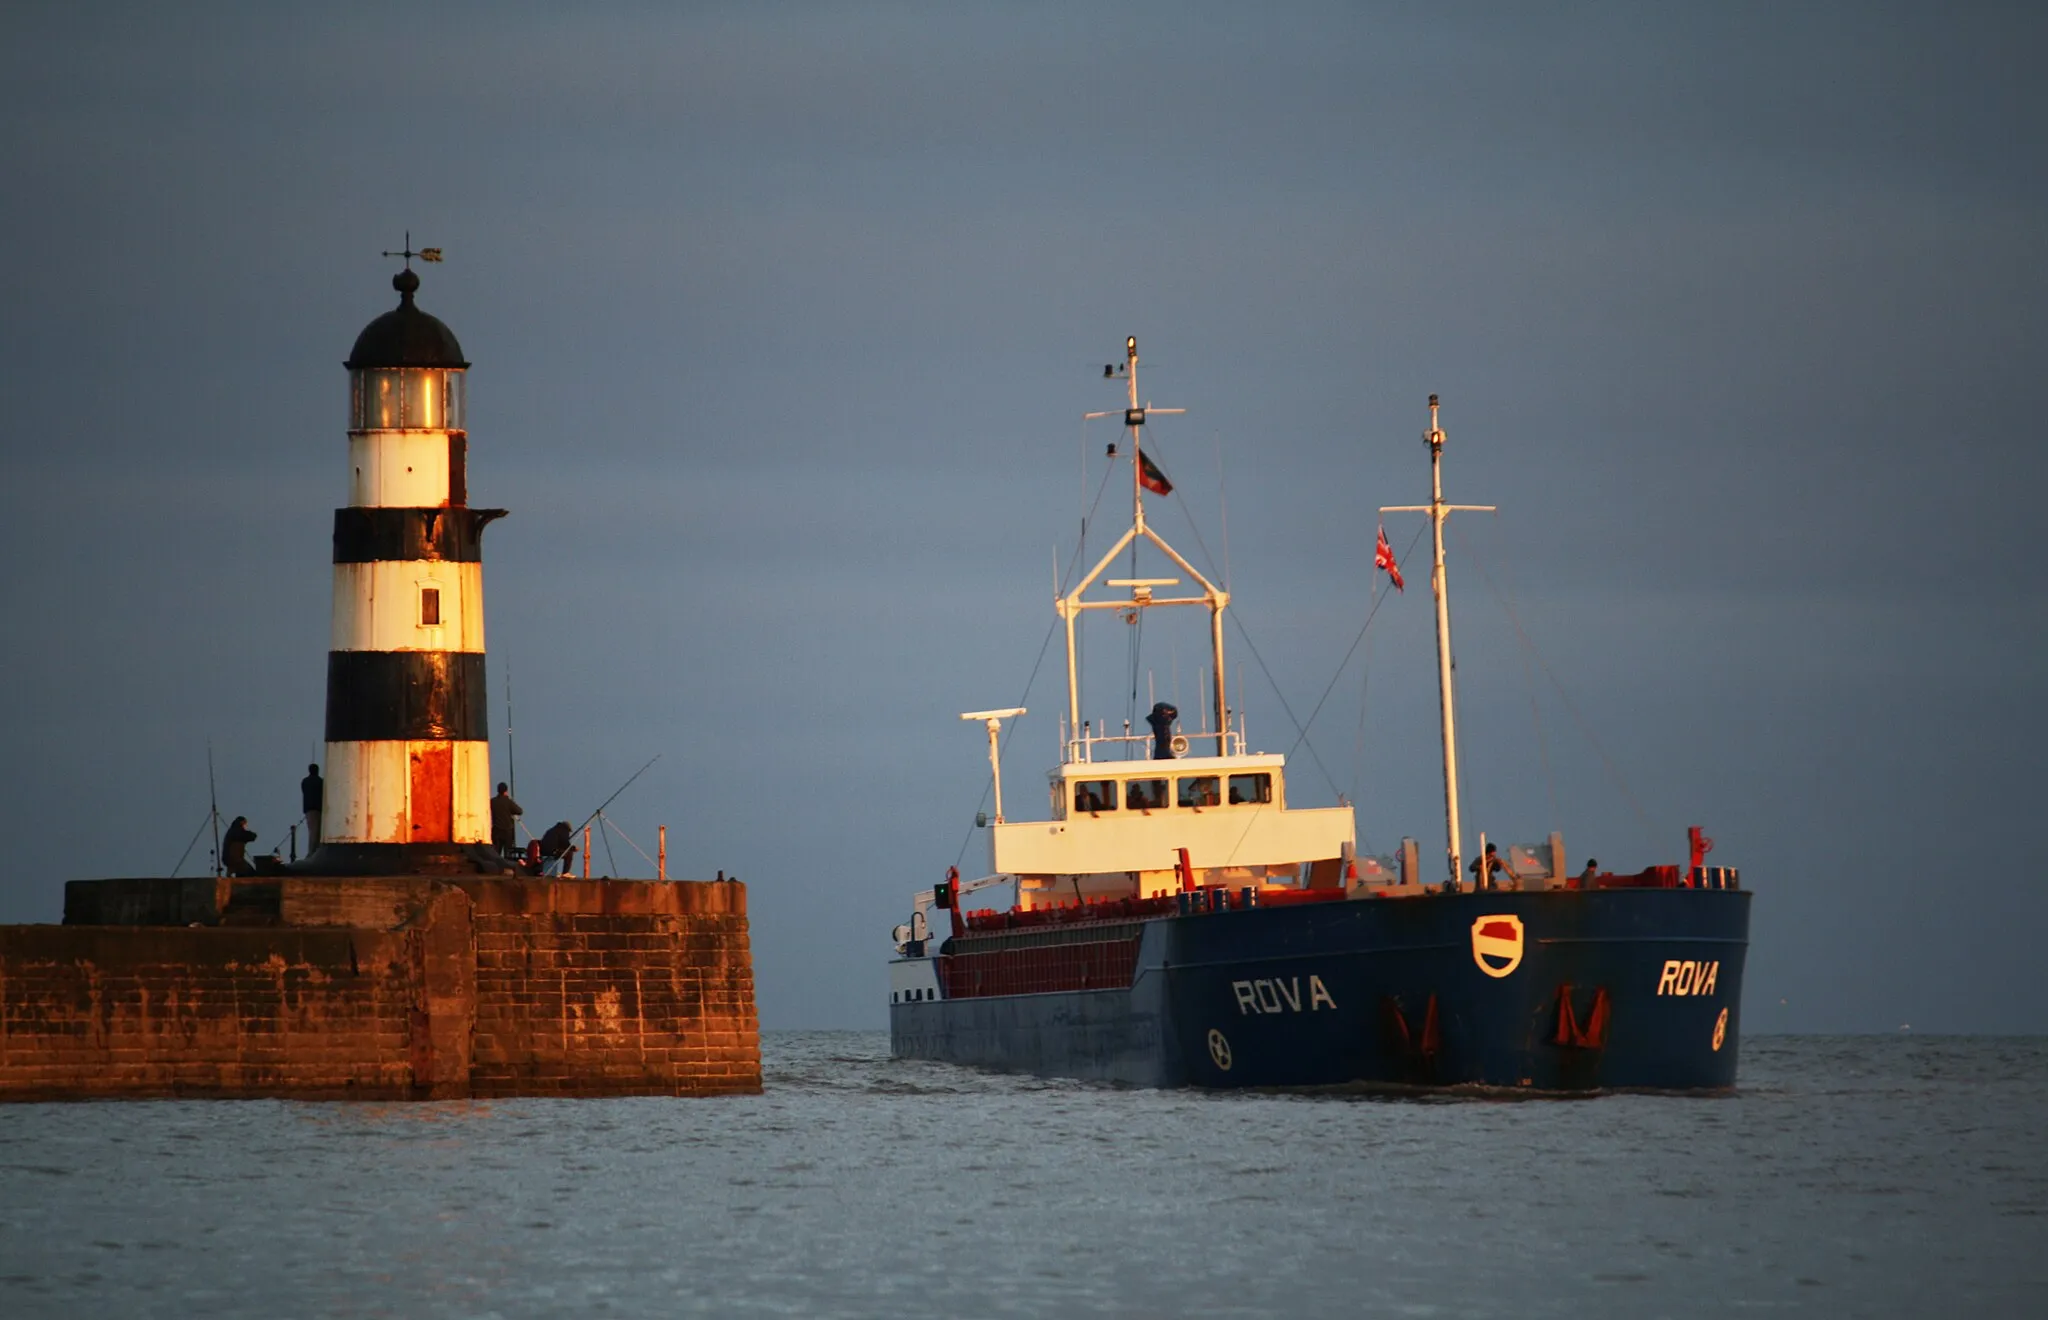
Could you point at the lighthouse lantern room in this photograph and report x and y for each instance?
(408, 751)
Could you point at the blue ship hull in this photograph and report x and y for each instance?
(1560, 991)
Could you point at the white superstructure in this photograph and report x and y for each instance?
(1127, 827)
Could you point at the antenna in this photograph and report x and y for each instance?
(1145, 475)
(994, 719)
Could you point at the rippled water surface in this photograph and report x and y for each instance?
(1875, 1176)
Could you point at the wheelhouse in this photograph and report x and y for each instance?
(1195, 785)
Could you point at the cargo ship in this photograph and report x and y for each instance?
(1177, 920)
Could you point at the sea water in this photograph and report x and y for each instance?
(1847, 1176)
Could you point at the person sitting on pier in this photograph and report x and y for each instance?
(555, 843)
(234, 847)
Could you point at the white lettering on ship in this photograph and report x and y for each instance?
(1688, 978)
(1280, 995)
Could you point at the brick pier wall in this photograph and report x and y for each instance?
(109, 1010)
(581, 1001)
(402, 987)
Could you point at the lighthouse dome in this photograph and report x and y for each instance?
(405, 336)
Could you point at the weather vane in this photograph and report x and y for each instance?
(424, 254)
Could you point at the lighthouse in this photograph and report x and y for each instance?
(408, 750)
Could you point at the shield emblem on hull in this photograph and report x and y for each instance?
(1497, 944)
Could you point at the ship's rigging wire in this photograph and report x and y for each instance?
(1528, 690)
(1364, 688)
(1606, 761)
(1236, 618)
(1379, 599)
(1301, 735)
(1223, 511)
(1009, 731)
(1301, 730)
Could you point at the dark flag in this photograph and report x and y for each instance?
(1150, 477)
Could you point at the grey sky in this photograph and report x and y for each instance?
(783, 318)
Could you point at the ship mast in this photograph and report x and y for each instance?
(1070, 606)
(1439, 585)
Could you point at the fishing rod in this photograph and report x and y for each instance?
(213, 808)
(608, 801)
(511, 757)
(189, 843)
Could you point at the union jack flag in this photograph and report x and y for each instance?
(1383, 557)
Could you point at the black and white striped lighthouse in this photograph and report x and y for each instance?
(408, 750)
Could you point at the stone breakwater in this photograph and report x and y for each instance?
(396, 987)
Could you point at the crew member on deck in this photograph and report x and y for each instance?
(1161, 719)
(1488, 871)
(504, 833)
(312, 798)
(234, 847)
(1586, 876)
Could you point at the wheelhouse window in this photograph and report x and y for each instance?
(1200, 791)
(1145, 794)
(1092, 795)
(1250, 788)
(430, 607)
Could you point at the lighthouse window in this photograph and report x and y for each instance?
(401, 398)
(1251, 788)
(430, 607)
(1145, 794)
(452, 410)
(1095, 795)
(1201, 791)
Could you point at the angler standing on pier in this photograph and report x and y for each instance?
(312, 798)
(504, 812)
